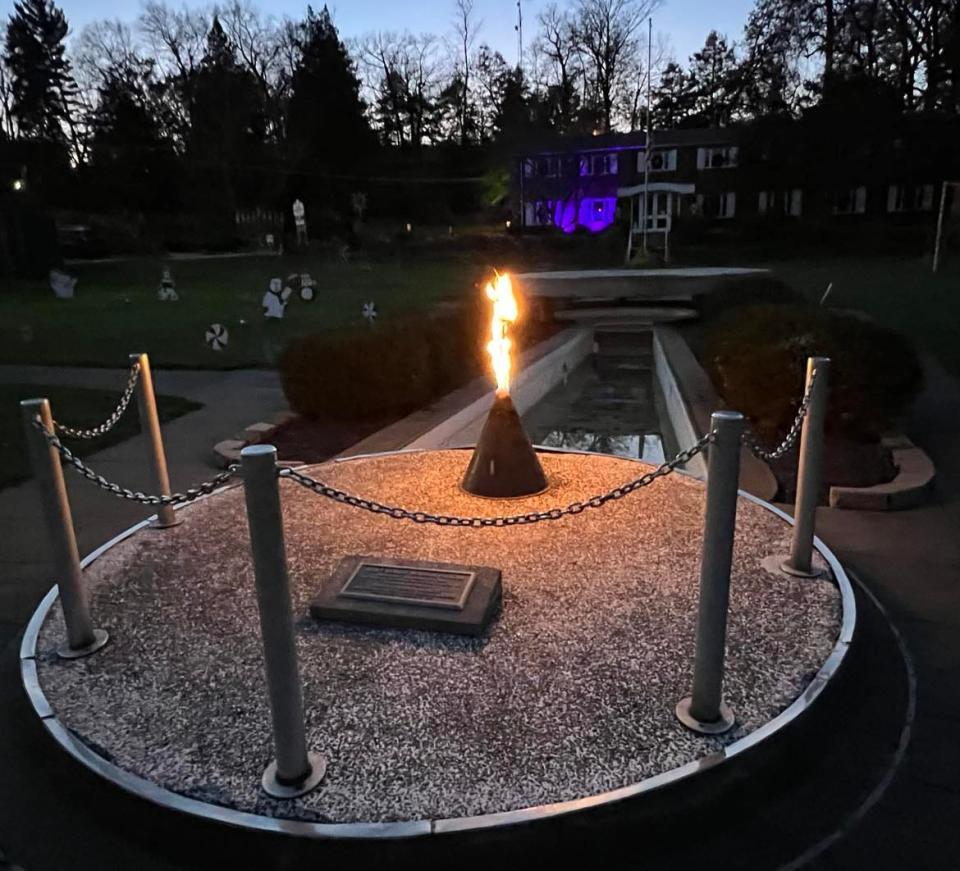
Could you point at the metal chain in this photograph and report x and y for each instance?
(750, 439)
(110, 422)
(85, 471)
(512, 520)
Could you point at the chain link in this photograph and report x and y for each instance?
(750, 439)
(110, 422)
(85, 471)
(573, 508)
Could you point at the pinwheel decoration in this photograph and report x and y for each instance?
(217, 336)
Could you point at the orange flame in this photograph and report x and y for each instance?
(500, 291)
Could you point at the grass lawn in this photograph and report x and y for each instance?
(77, 406)
(902, 294)
(116, 310)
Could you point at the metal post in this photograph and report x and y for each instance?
(295, 771)
(936, 241)
(704, 710)
(150, 424)
(82, 638)
(810, 471)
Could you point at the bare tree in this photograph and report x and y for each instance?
(556, 41)
(259, 45)
(177, 38)
(402, 72)
(7, 125)
(466, 28)
(607, 34)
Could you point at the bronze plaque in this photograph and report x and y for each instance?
(409, 585)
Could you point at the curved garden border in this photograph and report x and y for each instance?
(148, 790)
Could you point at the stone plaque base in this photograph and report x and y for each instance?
(409, 594)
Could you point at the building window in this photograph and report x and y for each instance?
(548, 166)
(793, 202)
(717, 157)
(910, 198)
(597, 213)
(661, 160)
(598, 164)
(717, 205)
(538, 213)
(850, 202)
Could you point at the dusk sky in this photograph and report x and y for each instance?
(684, 22)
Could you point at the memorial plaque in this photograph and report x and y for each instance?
(410, 594)
(411, 585)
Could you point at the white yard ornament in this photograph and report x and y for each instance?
(168, 290)
(370, 312)
(308, 287)
(62, 284)
(300, 221)
(217, 336)
(274, 301)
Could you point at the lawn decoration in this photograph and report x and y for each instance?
(300, 221)
(275, 300)
(370, 312)
(62, 284)
(217, 336)
(308, 287)
(168, 290)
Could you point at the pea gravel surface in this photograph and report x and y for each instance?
(570, 692)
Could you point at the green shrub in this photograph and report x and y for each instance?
(745, 290)
(757, 356)
(386, 371)
(394, 369)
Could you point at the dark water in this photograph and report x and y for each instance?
(608, 405)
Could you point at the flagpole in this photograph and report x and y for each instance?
(649, 139)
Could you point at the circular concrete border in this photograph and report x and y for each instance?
(151, 792)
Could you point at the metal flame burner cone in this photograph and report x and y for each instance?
(504, 463)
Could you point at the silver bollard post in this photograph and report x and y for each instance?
(295, 771)
(82, 637)
(809, 472)
(150, 424)
(704, 710)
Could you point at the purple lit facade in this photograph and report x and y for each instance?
(574, 189)
(708, 175)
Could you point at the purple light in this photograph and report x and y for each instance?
(594, 213)
(597, 214)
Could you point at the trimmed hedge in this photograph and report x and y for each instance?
(743, 291)
(757, 355)
(393, 369)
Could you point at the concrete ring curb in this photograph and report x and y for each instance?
(150, 791)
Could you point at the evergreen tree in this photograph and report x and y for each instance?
(225, 139)
(673, 98)
(132, 162)
(327, 130)
(42, 88)
(714, 83)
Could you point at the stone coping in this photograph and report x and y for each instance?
(691, 401)
(406, 828)
(910, 487)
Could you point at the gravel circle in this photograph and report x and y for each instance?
(570, 693)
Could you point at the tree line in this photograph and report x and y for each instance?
(186, 107)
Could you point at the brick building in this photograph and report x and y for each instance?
(763, 173)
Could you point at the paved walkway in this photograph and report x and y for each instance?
(911, 560)
(231, 401)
